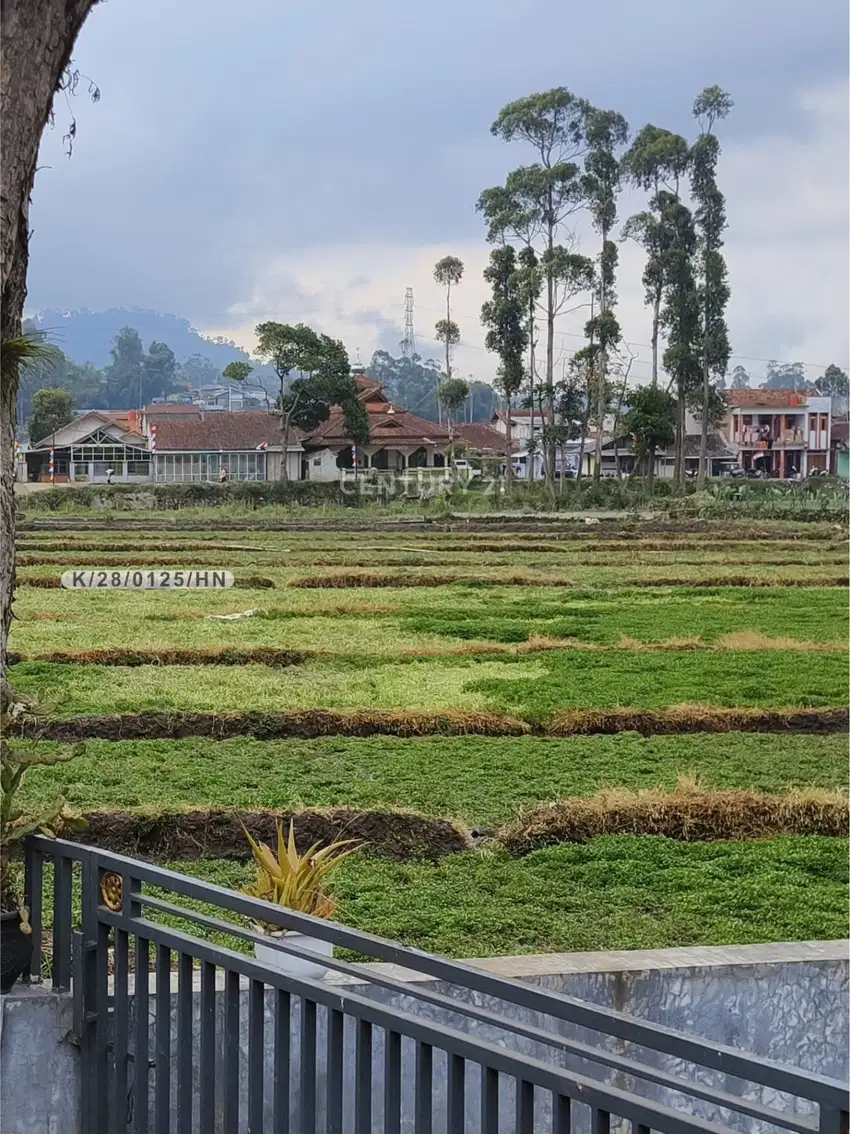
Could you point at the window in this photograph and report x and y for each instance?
(317, 461)
(187, 467)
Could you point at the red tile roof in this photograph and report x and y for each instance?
(387, 423)
(216, 431)
(766, 399)
(370, 390)
(483, 437)
(173, 409)
(516, 415)
(125, 418)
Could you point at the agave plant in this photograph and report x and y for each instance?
(297, 881)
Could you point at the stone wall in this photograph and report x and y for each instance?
(783, 1002)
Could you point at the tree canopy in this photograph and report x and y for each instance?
(833, 381)
(51, 409)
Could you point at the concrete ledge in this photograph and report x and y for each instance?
(628, 960)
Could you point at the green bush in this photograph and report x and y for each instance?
(171, 497)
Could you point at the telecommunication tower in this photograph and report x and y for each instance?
(408, 343)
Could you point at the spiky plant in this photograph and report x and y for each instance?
(296, 881)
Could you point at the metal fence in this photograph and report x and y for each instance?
(180, 1031)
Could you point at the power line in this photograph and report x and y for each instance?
(648, 346)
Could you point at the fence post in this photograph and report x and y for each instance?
(33, 889)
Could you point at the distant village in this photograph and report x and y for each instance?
(774, 433)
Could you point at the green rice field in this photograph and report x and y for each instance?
(523, 621)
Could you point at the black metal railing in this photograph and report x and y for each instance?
(183, 1032)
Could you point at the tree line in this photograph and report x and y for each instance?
(133, 377)
(583, 159)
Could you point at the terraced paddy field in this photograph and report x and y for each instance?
(550, 735)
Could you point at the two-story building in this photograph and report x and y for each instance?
(527, 434)
(780, 432)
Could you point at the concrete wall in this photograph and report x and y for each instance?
(783, 1002)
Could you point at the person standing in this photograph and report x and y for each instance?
(110, 475)
(223, 476)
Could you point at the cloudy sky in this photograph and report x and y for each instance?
(295, 160)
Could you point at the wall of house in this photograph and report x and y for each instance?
(322, 465)
(274, 464)
(785, 1002)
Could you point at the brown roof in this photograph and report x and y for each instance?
(766, 399)
(840, 432)
(516, 415)
(483, 437)
(387, 423)
(125, 418)
(173, 409)
(371, 391)
(216, 431)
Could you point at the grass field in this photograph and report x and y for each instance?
(527, 620)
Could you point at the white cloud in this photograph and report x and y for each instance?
(786, 247)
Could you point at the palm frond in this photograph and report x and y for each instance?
(29, 347)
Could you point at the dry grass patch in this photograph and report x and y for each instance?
(298, 724)
(690, 813)
(142, 547)
(696, 718)
(309, 724)
(376, 579)
(411, 579)
(755, 640)
(743, 581)
(142, 559)
(224, 655)
(690, 642)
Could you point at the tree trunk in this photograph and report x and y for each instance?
(597, 452)
(679, 463)
(656, 320)
(549, 448)
(509, 456)
(702, 470)
(38, 38)
(8, 398)
(650, 477)
(531, 469)
(448, 321)
(448, 356)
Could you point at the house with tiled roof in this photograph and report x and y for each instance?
(180, 442)
(398, 439)
(196, 447)
(84, 450)
(483, 440)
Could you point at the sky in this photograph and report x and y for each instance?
(297, 161)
